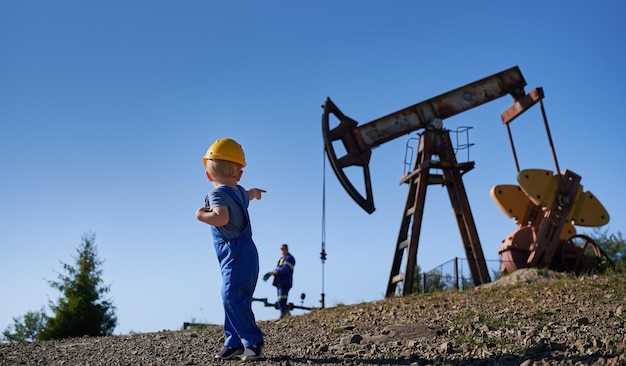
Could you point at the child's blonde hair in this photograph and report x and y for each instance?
(223, 168)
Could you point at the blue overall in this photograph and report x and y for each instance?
(239, 264)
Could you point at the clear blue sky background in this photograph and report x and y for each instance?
(106, 109)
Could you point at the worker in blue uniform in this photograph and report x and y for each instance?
(283, 279)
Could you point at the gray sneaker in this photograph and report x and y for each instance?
(253, 352)
(228, 353)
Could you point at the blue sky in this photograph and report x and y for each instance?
(106, 109)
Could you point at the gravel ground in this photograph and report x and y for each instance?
(531, 317)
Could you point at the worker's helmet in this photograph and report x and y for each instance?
(225, 149)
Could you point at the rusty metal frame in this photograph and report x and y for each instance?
(435, 142)
(359, 140)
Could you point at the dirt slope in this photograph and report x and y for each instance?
(532, 317)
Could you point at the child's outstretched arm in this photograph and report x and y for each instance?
(255, 193)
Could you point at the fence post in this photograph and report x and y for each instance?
(456, 273)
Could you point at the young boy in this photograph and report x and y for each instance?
(226, 210)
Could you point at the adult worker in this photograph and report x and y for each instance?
(283, 278)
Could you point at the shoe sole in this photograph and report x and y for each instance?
(225, 358)
(234, 355)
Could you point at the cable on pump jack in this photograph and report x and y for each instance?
(323, 252)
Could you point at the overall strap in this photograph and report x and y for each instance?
(237, 198)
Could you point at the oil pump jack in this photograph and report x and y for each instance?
(436, 163)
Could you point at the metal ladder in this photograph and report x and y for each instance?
(435, 142)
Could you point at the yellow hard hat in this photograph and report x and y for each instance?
(225, 149)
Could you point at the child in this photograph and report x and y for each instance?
(226, 210)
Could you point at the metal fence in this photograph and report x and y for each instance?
(454, 274)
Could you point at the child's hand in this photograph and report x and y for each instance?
(255, 193)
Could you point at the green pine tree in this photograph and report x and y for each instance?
(81, 310)
(25, 328)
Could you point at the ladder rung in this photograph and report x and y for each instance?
(410, 211)
(409, 176)
(397, 278)
(403, 244)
